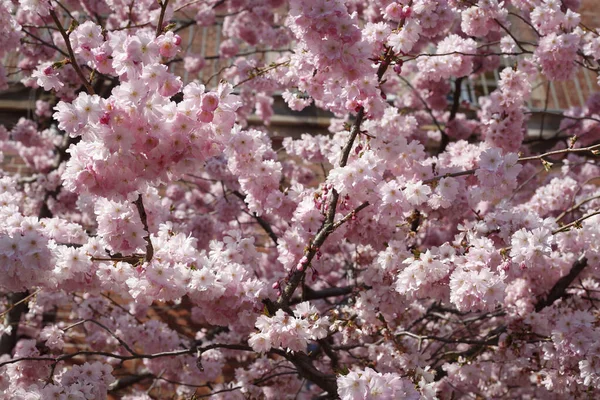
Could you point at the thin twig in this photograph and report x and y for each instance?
(563, 151)
(74, 63)
(121, 341)
(576, 206)
(121, 357)
(2, 314)
(142, 211)
(163, 10)
(574, 223)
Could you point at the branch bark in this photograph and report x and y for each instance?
(261, 221)
(453, 111)
(12, 318)
(74, 63)
(558, 290)
(161, 18)
(139, 203)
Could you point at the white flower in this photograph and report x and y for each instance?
(416, 193)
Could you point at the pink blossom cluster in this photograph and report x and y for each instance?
(120, 227)
(555, 55)
(502, 112)
(484, 18)
(139, 136)
(497, 173)
(25, 255)
(450, 61)
(548, 17)
(289, 332)
(254, 25)
(87, 381)
(369, 384)
(337, 52)
(251, 158)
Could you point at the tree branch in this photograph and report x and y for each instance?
(453, 111)
(74, 63)
(13, 316)
(591, 149)
(311, 294)
(558, 290)
(161, 18)
(121, 357)
(575, 223)
(261, 221)
(142, 211)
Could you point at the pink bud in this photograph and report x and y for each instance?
(210, 102)
(398, 67)
(105, 119)
(101, 57)
(205, 116)
(393, 12)
(300, 267)
(177, 40)
(276, 285)
(406, 12)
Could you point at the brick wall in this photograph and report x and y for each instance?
(15, 102)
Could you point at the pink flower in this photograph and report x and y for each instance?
(47, 76)
(53, 337)
(416, 193)
(168, 44)
(210, 102)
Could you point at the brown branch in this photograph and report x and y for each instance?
(591, 149)
(303, 364)
(453, 111)
(350, 215)
(261, 221)
(260, 72)
(45, 43)
(576, 206)
(311, 294)
(74, 63)
(142, 211)
(427, 108)
(161, 18)
(328, 225)
(175, 353)
(300, 360)
(558, 290)
(574, 223)
(127, 381)
(449, 175)
(2, 314)
(13, 317)
(121, 341)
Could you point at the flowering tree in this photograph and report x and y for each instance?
(164, 248)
